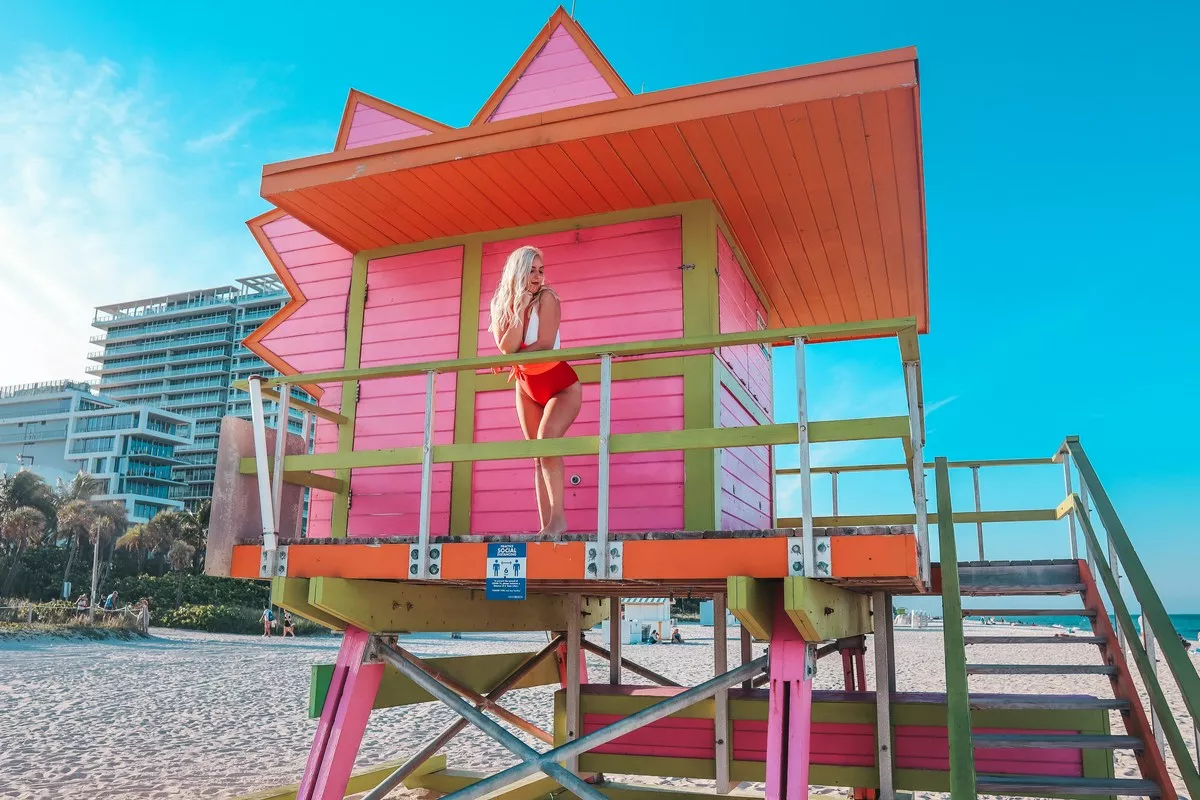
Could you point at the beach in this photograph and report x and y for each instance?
(196, 715)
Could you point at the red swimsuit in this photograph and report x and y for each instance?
(541, 386)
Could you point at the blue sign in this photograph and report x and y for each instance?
(505, 571)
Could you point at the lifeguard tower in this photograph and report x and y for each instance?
(689, 231)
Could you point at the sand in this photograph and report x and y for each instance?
(214, 716)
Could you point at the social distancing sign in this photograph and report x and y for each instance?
(505, 571)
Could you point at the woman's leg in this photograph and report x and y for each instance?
(560, 412)
(530, 416)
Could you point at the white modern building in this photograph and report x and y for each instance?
(181, 352)
(59, 428)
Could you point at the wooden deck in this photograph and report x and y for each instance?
(699, 562)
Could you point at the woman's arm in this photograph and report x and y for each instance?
(508, 341)
(549, 316)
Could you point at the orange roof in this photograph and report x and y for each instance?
(817, 170)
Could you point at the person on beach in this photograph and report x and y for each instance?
(268, 620)
(525, 316)
(110, 602)
(676, 636)
(81, 605)
(289, 625)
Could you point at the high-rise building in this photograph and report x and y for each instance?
(59, 428)
(182, 352)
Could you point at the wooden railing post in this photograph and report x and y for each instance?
(809, 546)
(958, 709)
(426, 478)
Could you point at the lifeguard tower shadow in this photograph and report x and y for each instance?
(688, 231)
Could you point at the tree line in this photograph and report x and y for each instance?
(42, 525)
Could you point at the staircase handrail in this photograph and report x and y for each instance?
(1153, 611)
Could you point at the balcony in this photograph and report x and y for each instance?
(151, 450)
(222, 299)
(202, 444)
(123, 364)
(207, 368)
(215, 354)
(198, 323)
(157, 473)
(31, 435)
(129, 377)
(165, 343)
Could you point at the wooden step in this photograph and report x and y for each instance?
(1033, 701)
(1037, 785)
(1081, 741)
(1007, 578)
(1033, 640)
(1040, 669)
(1028, 612)
(1004, 590)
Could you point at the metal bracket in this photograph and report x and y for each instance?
(810, 660)
(593, 561)
(824, 557)
(434, 562)
(273, 563)
(795, 556)
(687, 266)
(374, 652)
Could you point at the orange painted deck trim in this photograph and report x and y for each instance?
(355, 97)
(890, 557)
(576, 32)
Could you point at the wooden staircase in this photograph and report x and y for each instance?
(1058, 577)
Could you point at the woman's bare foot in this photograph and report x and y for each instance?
(555, 528)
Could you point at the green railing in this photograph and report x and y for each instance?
(1156, 623)
(909, 428)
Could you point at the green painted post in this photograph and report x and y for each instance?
(340, 522)
(958, 708)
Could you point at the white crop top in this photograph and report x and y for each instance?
(532, 327)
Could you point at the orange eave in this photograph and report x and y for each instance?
(576, 31)
(355, 97)
(816, 169)
(296, 299)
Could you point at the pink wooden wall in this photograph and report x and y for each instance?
(747, 489)
(372, 126)
(559, 76)
(618, 283)
(411, 315)
(918, 747)
(314, 337)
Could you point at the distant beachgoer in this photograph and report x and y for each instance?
(1183, 641)
(654, 637)
(289, 624)
(268, 620)
(676, 636)
(110, 602)
(81, 605)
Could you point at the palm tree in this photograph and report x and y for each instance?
(21, 527)
(195, 531)
(134, 539)
(75, 520)
(27, 488)
(83, 486)
(180, 558)
(107, 520)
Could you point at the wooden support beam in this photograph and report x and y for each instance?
(361, 781)
(292, 594)
(391, 607)
(822, 611)
(752, 602)
(478, 673)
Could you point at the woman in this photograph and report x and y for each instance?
(525, 315)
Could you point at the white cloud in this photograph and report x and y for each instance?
(217, 138)
(932, 407)
(95, 208)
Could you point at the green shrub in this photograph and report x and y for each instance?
(226, 619)
(198, 590)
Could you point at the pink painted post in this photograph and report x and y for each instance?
(343, 721)
(789, 718)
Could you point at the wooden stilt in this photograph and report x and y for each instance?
(789, 718)
(575, 665)
(616, 625)
(885, 685)
(721, 725)
(343, 720)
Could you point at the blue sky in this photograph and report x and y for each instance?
(1060, 174)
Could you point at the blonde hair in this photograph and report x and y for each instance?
(509, 300)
